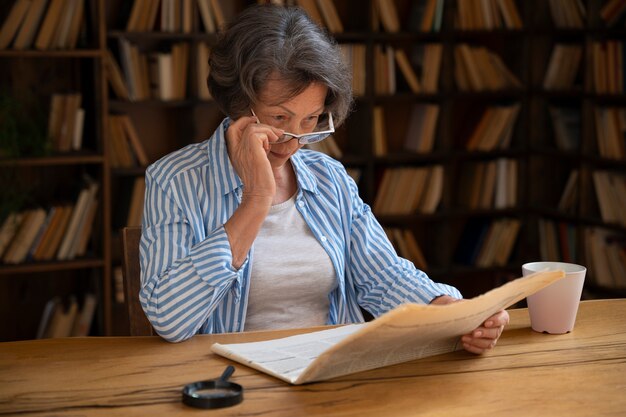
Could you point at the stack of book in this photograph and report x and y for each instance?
(606, 257)
(488, 185)
(424, 16)
(568, 14)
(135, 209)
(324, 13)
(488, 15)
(409, 190)
(127, 151)
(427, 58)
(62, 232)
(58, 320)
(495, 129)
(611, 132)
(569, 197)
(172, 15)
(65, 122)
(486, 244)
(557, 241)
(45, 25)
(354, 56)
(420, 135)
(608, 66)
(566, 127)
(478, 69)
(611, 195)
(612, 11)
(160, 75)
(563, 67)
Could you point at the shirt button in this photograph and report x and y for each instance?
(301, 203)
(323, 238)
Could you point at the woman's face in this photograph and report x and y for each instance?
(297, 115)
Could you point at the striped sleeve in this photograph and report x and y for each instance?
(183, 281)
(383, 279)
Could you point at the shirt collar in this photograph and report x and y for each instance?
(225, 177)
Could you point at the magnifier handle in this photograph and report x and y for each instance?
(227, 373)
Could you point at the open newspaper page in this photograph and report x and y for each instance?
(408, 332)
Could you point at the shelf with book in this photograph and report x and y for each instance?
(53, 165)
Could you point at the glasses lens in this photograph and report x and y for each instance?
(323, 122)
(313, 138)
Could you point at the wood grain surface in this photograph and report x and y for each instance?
(582, 373)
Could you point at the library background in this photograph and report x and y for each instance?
(485, 134)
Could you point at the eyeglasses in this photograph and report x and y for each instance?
(324, 128)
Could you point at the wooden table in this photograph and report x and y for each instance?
(528, 374)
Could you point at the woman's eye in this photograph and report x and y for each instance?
(311, 121)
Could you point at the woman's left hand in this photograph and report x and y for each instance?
(486, 336)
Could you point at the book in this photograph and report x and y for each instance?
(46, 317)
(84, 317)
(25, 236)
(12, 22)
(331, 17)
(9, 228)
(50, 23)
(388, 15)
(206, 15)
(310, 6)
(408, 332)
(28, 30)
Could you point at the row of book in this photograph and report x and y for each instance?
(61, 232)
(488, 15)
(388, 58)
(605, 252)
(568, 14)
(354, 55)
(479, 69)
(569, 197)
(420, 134)
(324, 13)
(54, 24)
(611, 132)
(486, 243)
(424, 16)
(566, 127)
(611, 194)
(67, 319)
(126, 150)
(160, 75)
(612, 11)
(494, 129)
(557, 241)
(563, 66)
(406, 246)
(609, 60)
(66, 122)
(409, 190)
(486, 185)
(174, 15)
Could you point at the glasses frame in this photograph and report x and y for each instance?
(305, 138)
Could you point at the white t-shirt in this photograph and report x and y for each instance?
(291, 275)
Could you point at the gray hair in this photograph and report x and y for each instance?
(268, 41)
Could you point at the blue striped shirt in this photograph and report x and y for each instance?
(188, 283)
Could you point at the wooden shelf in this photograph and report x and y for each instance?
(55, 266)
(54, 160)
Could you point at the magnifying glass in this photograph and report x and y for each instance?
(215, 393)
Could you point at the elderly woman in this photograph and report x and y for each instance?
(247, 231)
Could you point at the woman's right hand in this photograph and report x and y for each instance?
(248, 145)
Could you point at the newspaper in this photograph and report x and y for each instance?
(408, 332)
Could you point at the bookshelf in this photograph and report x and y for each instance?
(507, 149)
(62, 260)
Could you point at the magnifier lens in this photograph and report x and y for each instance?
(214, 393)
